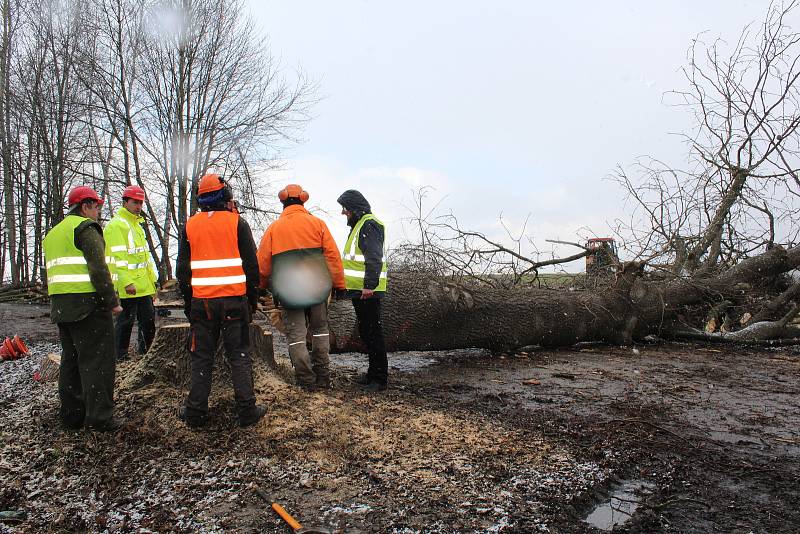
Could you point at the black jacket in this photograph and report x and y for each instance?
(247, 251)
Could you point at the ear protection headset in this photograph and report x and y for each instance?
(214, 182)
(292, 191)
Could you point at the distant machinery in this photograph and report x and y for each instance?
(603, 257)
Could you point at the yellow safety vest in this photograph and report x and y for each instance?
(125, 239)
(353, 258)
(67, 270)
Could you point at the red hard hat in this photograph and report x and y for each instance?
(210, 183)
(292, 191)
(133, 191)
(83, 192)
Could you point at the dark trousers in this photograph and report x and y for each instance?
(140, 308)
(229, 316)
(368, 313)
(86, 376)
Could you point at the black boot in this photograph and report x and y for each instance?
(375, 386)
(363, 379)
(192, 421)
(253, 417)
(112, 425)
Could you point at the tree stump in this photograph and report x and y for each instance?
(168, 359)
(49, 367)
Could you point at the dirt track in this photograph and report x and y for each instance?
(462, 442)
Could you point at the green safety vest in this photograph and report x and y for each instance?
(125, 239)
(353, 259)
(67, 270)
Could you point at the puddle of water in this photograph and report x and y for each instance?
(398, 361)
(620, 506)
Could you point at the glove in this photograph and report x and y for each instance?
(340, 294)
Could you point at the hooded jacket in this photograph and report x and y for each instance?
(370, 240)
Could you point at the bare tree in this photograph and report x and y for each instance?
(739, 193)
(440, 246)
(6, 141)
(211, 98)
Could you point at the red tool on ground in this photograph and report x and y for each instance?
(13, 349)
(297, 527)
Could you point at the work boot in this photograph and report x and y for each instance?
(323, 382)
(375, 386)
(71, 427)
(306, 384)
(254, 416)
(192, 421)
(112, 425)
(363, 379)
(323, 377)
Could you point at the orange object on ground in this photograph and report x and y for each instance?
(296, 526)
(7, 351)
(22, 349)
(281, 511)
(13, 349)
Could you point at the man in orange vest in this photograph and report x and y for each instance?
(299, 261)
(217, 271)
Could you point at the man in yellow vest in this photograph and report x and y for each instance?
(365, 277)
(136, 277)
(83, 303)
(217, 271)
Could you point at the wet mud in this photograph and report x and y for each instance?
(652, 438)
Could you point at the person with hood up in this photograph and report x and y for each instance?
(299, 261)
(365, 275)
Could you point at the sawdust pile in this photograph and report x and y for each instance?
(353, 461)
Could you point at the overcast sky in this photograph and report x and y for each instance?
(515, 108)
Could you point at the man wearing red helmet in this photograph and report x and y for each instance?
(136, 276)
(299, 261)
(218, 275)
(83, 302)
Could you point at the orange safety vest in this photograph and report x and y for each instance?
(216, 263)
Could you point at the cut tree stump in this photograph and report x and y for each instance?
(49, 367)
(168, 359)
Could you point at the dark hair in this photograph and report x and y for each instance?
(77, 207)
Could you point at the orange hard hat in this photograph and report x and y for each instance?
(133, 191)
(82, 193)
(210, 183)
(292, 191)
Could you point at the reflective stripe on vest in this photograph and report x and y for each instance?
(67, 271)
(128, 244)
(353, 258)
(216, 264)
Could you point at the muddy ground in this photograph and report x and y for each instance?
(462, 441)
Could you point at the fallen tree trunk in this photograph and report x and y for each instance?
(428, 314)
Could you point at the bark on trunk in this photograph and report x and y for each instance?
(427, 314)
(168, 359)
